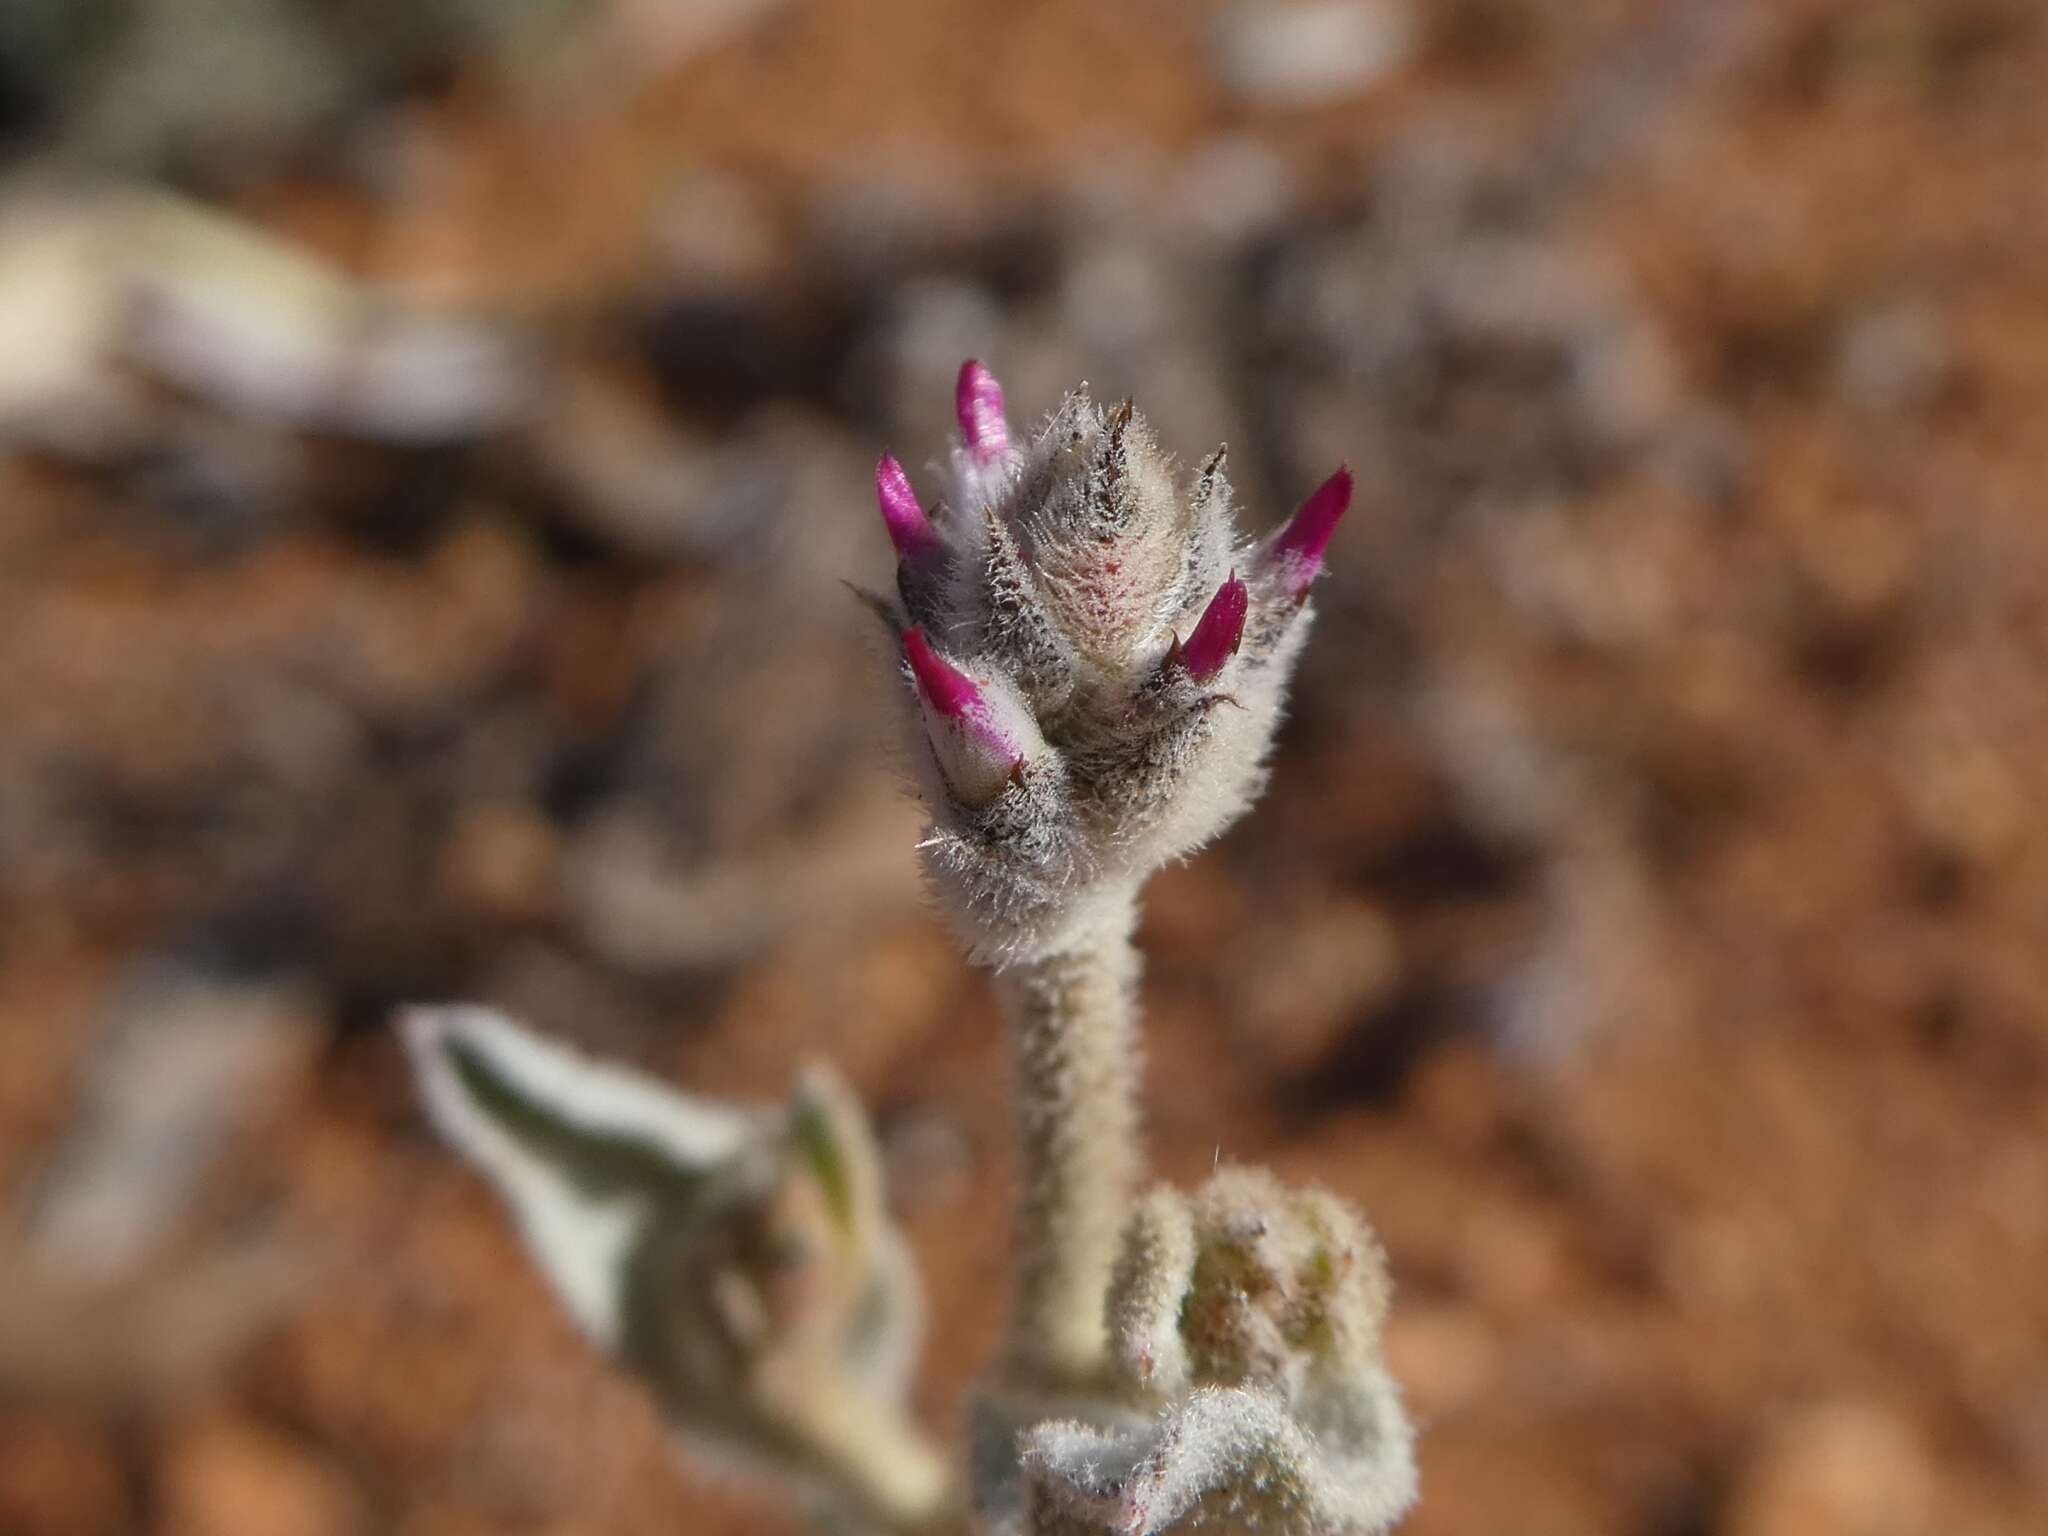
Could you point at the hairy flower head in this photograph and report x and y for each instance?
(1094, 659)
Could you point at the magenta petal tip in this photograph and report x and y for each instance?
(909, 529)
(978, 399)
(1217, 633)
(979, 736)
(1300, 546)
(943, 686)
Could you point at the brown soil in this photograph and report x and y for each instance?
(1645, 925)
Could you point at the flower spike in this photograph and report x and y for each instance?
(1217, 634)
(912, 533)
(1071, 558)
(1297, 554)
(978, 399)
(980, 735)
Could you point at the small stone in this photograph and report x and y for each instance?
(185, 1056)
(711, 230)
(1850, 1469)
(265, 330)
(1341, 957)
(234, 1478)
(1312, 53)
(503, 862)
(1893, 358)
(1234, 189)
(60, 301)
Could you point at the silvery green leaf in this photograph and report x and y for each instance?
(739, 1260)
(580, 1152)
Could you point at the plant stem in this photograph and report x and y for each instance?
(1074, 1045)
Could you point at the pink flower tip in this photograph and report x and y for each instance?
(978, 399)
(909, 529)
(1217, 634)
(980, 736)
(1299, 549)
(945, 689)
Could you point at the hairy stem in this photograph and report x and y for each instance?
(1074, 1043)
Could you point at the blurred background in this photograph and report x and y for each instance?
(435, 435)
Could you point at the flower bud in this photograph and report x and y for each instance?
(978, 401)
(916, 540)
(1295, 556)
(1216, 635)
(979, 734)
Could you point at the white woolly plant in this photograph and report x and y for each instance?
(1093, 662)
(1246, 1327)
(737, 1258)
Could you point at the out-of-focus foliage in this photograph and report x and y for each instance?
(738, 1260)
